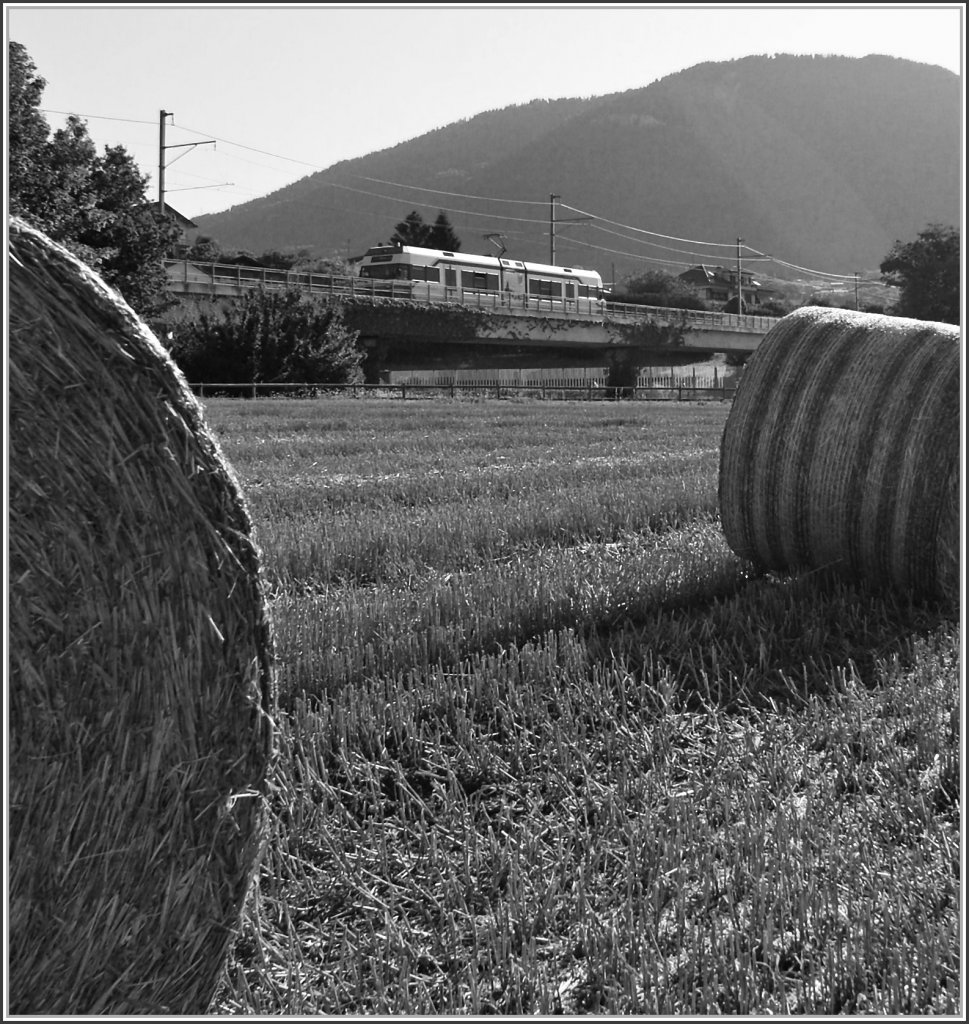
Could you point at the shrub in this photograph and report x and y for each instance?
(269, 337)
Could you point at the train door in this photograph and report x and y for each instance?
(512, 281)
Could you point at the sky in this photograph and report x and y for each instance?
(273, 94)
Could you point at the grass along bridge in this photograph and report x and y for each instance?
(402, 328)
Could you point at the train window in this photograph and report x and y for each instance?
(450, 277)
(418, 273)
(384, 273)
(550, 288)
(570, 290)
(479, 281)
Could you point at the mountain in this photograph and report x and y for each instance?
(822, 162)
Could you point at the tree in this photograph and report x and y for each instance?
(411, 231)
(926, 272)
(27, 131)
(93, 205)
(268, 337)
(442, 236)
(658, 288)
(730, 306)
(204, 249)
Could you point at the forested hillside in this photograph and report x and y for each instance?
(822, 162)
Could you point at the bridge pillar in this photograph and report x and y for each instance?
(375, 354)
(623, 373)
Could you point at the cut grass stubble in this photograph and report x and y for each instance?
(549, 746)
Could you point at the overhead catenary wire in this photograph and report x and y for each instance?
(436, 206)
(96, 117)
(455, 195)
(597, 220)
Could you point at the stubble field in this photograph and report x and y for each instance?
(546, 745)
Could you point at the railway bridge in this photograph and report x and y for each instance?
(400, 328)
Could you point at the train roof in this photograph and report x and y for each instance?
(471, 259)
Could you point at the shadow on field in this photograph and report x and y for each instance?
(774, 639)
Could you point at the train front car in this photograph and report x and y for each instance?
(384, 263)
(436, 275)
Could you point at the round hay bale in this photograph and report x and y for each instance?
(841, 451)
(140, 662)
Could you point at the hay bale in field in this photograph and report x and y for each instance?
(841, 451)
(140, 662)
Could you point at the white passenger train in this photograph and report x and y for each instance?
(446, 273)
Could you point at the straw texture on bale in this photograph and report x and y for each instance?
(140, 662)
(841, 451)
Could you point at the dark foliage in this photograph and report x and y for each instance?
(94, 205)
(657, 288)
(413, 231)
(442, 236)
(773, 307)
(926, 272)
(730, 306)
(269, 337)
(205, 250)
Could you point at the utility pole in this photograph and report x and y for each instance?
(856, 289)
(551, 226)
(740, 283)
(162, 115)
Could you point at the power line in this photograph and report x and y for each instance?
(655, 234)
(436, 206)
(454, 195)
(656, 245)
(631, 255)
(469, 213)
(252, 149)
(96, 117)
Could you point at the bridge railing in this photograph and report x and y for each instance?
(199, 278)
(548, 390)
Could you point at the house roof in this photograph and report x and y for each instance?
(717, 275)
(180, 219)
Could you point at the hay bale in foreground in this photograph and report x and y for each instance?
(841, 451)
(140, 664)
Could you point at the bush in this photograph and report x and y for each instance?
(771, 308)
(656, 288)
(269, 337)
